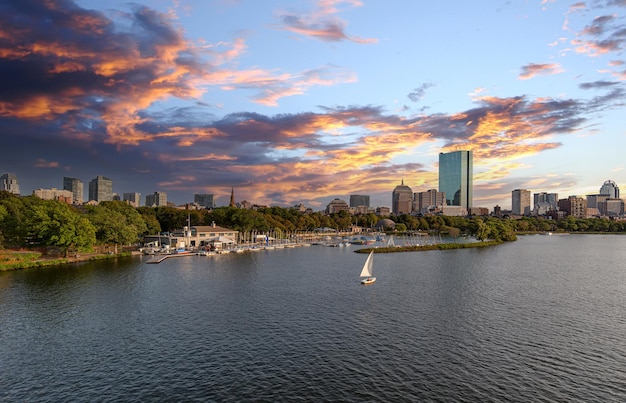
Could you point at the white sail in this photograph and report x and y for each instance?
(367, 267)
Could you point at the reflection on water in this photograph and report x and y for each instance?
(538, 319)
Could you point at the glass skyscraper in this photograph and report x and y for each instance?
(456, 178)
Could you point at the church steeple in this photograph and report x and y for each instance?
(232, 198)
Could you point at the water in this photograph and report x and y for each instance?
(540, 319)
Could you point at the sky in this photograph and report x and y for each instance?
(305, 101)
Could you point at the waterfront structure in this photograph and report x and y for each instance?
(456, 178)
(62, 195)
(157, 199)
(520, 202)
(359, 200)
(429, 201)
(204, 199)
(134, 199)
(402, 199)
(75, 186)
(9, 183)
(337, 205)
(574, 206)
(550, 198)
(609, 188)
(101, 189)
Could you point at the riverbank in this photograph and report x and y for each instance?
(17, 260)
(418, 248)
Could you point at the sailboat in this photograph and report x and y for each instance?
(367, 270)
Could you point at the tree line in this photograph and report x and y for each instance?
(32, 222)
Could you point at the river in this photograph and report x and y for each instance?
(539, 319)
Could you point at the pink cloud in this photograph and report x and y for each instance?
(532, 70)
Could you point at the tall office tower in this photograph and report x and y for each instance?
(9, 183)
(359, 200)
(574, 206)
(158, 199)
(101, 189)
(134, 199)
(205, 200)
(402, 199)
(75, 186)
(610, 189)
(456, 178)
(425, 201)
(551, 198)
(520, 202)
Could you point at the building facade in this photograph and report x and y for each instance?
(574, 206)
(337, 205)
(101, 189)
(75, 186)
(359, 201)
(64, 196)
(9, 183)
(204, 199)
(456, 178)
(551, 198)
(611, 207)
(134, 199)
(402, 199)
(520, 202)
(157, 199)
(609, 188)
(425, 202)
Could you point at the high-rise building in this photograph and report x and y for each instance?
(359, 200)
(75, 186)
(574, 206)
(158, 199)
(205, 200)
(101, 189)
(456, 178)
(609, 188)
(551, 198)
(594, 200)
(134, 199)
(611, 207)
(429, 200)
(402, 199)
(520, 202)
(9, 183)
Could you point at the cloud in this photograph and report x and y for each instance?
(322, 24)
(606, 34)
(418, 93)
(532, 70)
(598, 85)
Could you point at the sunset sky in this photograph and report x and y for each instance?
(304, 101)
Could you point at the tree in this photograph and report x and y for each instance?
(59, 225)
(117, 222)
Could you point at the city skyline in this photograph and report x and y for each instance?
(304, 102)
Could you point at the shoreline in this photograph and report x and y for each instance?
(25, 259)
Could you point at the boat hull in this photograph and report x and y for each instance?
(369, 280)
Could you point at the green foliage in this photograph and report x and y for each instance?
(117, 222)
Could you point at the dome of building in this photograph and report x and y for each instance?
(385, 223)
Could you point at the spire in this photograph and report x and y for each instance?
(232, 197)
(402, 182)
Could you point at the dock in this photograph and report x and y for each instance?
(160, 258)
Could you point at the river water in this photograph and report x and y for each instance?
(540, 319)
